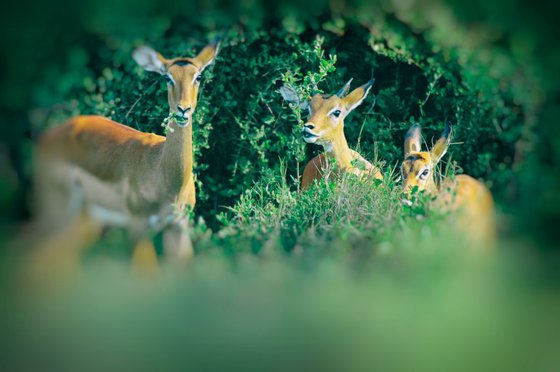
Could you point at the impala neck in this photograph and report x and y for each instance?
(177, 157)
(340, 151)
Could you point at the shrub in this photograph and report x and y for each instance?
(424, 73)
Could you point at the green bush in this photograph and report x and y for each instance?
(243, 129)
(368, 281)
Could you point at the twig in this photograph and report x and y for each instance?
(139, 99)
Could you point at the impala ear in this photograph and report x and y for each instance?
(208, 54)
(442, 144)
(291, 96)
(412, 140)
(150, 60)
(342, 92)
(357, 96)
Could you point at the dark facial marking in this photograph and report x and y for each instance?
(181, 62)
(415, 157)
(407, 166)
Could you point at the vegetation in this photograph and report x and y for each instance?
(243, 129)
(274, 263)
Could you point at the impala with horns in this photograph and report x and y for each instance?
(468, 200)
(93, 172)
(325, 127)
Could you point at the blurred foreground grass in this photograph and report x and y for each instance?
(360, 293)
(419, 311)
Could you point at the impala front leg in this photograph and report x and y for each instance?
(177, 243)
(176, 240)
(144, 258)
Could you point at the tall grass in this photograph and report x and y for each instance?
(342, 276)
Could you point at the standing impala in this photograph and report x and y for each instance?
(104, 173)
(325, 126)
(469, 200)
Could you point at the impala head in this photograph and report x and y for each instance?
(183, 76)
(325, 122)
(418, 166)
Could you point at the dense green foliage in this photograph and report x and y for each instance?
(431, 64)
(243, 130)
(342, 276)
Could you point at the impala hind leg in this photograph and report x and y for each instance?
(62, 231)
(60, 199)
(56, 257)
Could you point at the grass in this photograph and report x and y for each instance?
(424, 309)
(342, 276)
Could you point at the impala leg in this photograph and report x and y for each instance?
(144, 258)
(57, 256)
(177, 242)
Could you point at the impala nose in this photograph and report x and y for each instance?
(307, 132)
(182, 110)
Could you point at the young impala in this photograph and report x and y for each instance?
(467, 199)
(325, 126)
(94, 172)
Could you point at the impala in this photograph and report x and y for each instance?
(467, 199)
(94, 172)
(325, 127)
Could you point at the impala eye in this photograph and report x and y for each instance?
(198, 78)
(424, 174)
(336, 113)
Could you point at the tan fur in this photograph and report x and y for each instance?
(330, 134)
(117, 175)
(468, 200)
(315, 169)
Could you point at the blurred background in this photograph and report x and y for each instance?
(366, 291)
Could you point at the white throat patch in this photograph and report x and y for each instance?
(327, 146)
